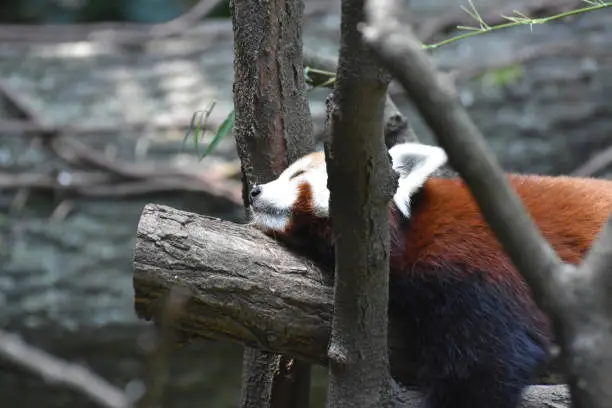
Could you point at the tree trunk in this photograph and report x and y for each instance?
(273, 128)
(361, 185)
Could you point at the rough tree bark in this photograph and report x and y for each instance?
(575, 298)
(245, 287)
(273, 127)
(361, 184)
(397, 128)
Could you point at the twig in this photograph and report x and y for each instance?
(314, 60)
(428, 29)
(48, 130)
(519, 19)
(75, 152)
(55, 370)
(128, 33)
(397, 128)
(21, 104)
(97, 184)
(594, 165)
(465, 146)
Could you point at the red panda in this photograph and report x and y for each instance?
(467, 315)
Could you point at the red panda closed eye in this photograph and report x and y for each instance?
(475, 333)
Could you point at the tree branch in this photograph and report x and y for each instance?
(55, 370)
(437, 101)
(245, 287)
(397, 128)
(575, 299)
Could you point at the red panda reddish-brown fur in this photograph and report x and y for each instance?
(450, 278)
(468, 319)
(568, 211)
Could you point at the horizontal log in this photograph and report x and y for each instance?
(244, 287)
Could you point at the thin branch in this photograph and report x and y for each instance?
(314, 60)
(447, 22)
(517, 20)
(595, 164)
(99, 184)
(397, 128)
(30, 127)
(458, 135)
(20, 103)
(599, 260)
(576, 299)
(53, 369)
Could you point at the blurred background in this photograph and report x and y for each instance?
(95, 100)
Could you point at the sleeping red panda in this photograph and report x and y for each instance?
(475, 333)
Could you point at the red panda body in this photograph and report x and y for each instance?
(476, 333)
(466, 314)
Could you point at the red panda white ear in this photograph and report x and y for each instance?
(415, 163)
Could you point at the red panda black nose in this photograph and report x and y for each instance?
(255, 191)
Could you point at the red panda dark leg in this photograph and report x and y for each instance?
(470, 336)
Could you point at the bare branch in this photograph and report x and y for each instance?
(52, 369)
(575, 298)
(397, 128)
(120, 178)
(314, 60)
(599, 259)
(597, 163)
(439, 105)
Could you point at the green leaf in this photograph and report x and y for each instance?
(223, 131)
(202, 119)
(503, 76)
(318, 78)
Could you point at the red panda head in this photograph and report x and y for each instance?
(295, 206)
(299, 192)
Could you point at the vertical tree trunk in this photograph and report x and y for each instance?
(273, 128)
(361, 184)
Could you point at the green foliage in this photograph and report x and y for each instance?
(199, 121)
(313, 77)
(503, 76)
(317, 78)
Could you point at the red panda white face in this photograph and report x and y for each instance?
(299, 190)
